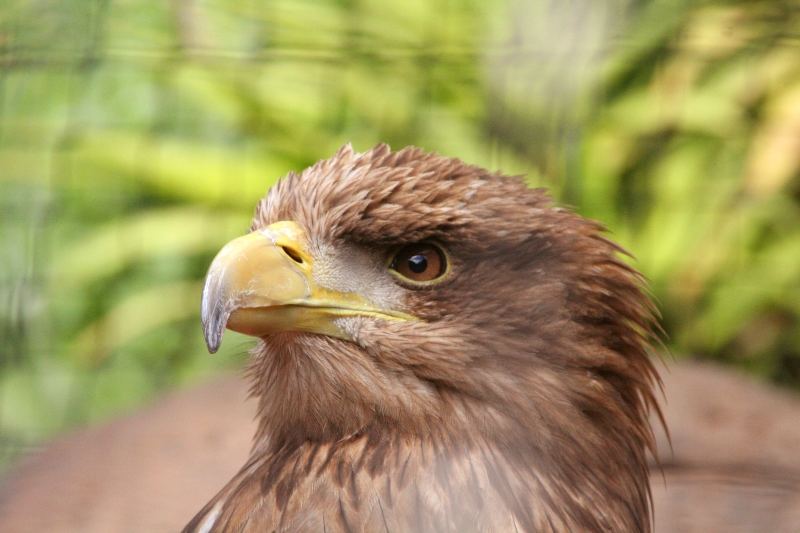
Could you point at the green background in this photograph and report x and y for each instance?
(136, 137)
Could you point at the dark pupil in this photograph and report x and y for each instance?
(417, 263)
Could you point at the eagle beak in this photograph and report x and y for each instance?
(263, 283)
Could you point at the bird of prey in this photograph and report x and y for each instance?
(440, 349)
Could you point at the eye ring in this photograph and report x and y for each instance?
(420, 264)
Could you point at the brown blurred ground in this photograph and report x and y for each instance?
(734, 465)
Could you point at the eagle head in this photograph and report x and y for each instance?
(408, 293)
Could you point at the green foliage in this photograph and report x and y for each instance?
(702, 154)
(135, 138)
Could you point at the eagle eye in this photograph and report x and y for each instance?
(419, 263)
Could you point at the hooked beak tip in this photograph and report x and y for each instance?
(213, 343)
(214, 323)
(213, 337)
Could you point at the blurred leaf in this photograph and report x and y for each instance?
(110, 248)
(745, 293)
(775, 150)
(134, 316)
(181, 169)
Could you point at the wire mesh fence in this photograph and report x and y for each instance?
(136, 137)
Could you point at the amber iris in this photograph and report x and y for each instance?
(420, 262)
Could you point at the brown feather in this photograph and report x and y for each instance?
(519, 403)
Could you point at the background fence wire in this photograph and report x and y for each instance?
(136, 137)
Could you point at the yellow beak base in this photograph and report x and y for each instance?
(263, 283)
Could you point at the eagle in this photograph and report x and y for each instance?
(440, 348)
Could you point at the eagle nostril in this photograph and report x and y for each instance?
(292, 254)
